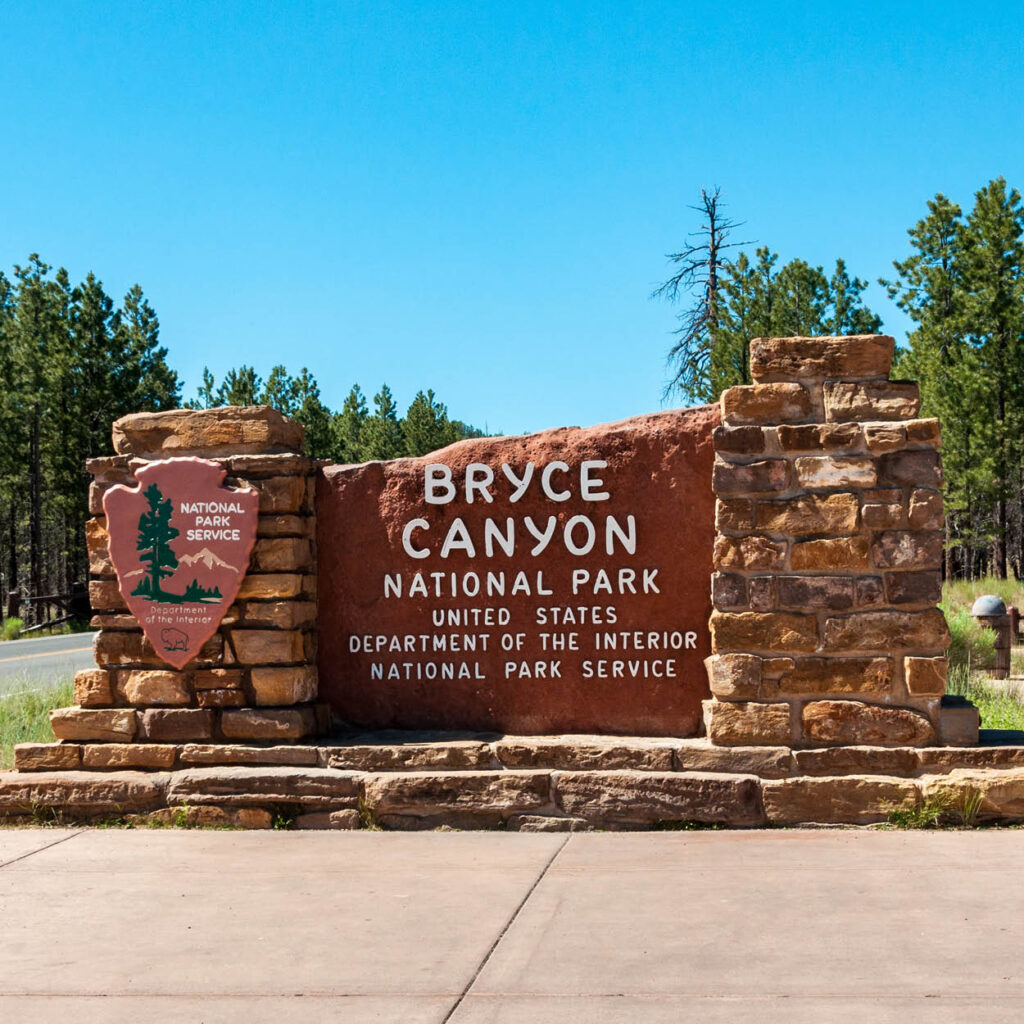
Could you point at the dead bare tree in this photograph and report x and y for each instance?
(700, 265)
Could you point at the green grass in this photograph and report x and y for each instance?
(999, 707)
(25, 717)
(962, 593)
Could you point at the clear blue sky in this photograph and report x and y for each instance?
(478, 197)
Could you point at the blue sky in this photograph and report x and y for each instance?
(478, 197)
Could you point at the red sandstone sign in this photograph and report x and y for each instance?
(556, 582)
(180, 544)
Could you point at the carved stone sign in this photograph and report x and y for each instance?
(180, 544)
(556, 582)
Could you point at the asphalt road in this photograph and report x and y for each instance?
(766, 927)
(36, 664)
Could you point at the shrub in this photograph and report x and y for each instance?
(972, 644)
(11, 628)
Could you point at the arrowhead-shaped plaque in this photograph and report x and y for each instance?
(180, 544)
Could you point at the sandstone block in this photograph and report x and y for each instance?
(277, 614)
(759, 631)
(584, 753)
(809, 513)
(734, 514)
(699, 755)
(176, 724)
(913, 587)
(279, 495)
(346, 819)
(206, 816)
(881, 400)
(451, 755)
(286, 525)
(80, 794)
(235, 786)
(142, 686)
(92, 688)
(925, 677)
(250, 724)
(737, 677)
(218, 679)
(887, 631)
(272, 587)
(128, 755)
(221, 698)
(275, 686)
(838, 675)
(267, 646)
(901, 761)
(831, 554)
(96, 543)
(765, 404)
(884, 437)
(1001, 792)
(480, 792)
(878, 516)
(925, 431)
(763, 477)
(922, 469)
(850, 357)
(828, 472)
(547, 823)
(926, 510)
(283, 554)
(752, 553)
(851, 722)
(41, 757)
(87, 724)
(761, 591)
(932, 760)
(105, 596)
(907, 549)
(739, 440)
(835, 593)
(747, 725)
(230, 430)
(848, 800)
(656, 796)
(870, 591)
(728, 590)
(235, 753)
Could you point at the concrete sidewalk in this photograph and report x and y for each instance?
(796, 926)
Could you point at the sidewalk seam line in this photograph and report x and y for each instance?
(48, 846)
(502, 933)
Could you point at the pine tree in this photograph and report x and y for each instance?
(382, 433)
(426, 427)
(347, 427)
(242, 386)
(153, 545)
(310, 411)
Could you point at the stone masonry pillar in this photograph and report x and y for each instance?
(255, 680)
(829, 542)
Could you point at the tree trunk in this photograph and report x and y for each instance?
(35, 511)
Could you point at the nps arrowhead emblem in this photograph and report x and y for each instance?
(180, 543)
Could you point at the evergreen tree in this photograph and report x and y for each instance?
(153, 544)
(347, 427)
(242, 386)
(426, 427)
(310, 411)
(382, 436)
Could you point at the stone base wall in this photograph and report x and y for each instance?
(519, 783)
(256, 678)
(829, 519)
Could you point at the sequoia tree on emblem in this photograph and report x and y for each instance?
(180, 544)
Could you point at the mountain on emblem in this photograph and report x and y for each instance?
(208, 558)
(180, 544)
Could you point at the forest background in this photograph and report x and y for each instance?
(72, 361)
